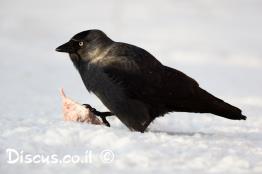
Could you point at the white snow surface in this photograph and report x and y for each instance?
(217, 42)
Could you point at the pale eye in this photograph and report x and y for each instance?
(81, 44)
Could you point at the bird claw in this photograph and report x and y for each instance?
(102, 115)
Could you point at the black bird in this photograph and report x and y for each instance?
(134, 85)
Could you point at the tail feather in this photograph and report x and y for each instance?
(218, 107)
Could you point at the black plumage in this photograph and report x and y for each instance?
(134, 85)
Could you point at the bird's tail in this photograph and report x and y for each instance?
(218, 107)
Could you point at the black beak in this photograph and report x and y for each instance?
(64, 48)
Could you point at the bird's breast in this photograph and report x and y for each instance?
(98, 82)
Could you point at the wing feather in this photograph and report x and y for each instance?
(145, 79)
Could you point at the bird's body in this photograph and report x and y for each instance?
(135, 86)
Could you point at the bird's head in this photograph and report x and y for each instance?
(86, 45)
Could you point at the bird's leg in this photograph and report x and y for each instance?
(103, 115)
(98, 113)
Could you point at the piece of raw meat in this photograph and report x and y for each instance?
(74, 111)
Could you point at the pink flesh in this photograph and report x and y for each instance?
(74, 111)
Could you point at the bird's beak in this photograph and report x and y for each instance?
(64, 48)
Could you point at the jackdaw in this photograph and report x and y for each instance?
(134, 85)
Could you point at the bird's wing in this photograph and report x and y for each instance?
(144, 78)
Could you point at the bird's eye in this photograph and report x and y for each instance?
(81, 44)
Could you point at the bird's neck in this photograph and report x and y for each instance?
(76, 59)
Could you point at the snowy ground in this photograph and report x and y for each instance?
(217, 42)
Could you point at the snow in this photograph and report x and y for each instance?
(217, 42)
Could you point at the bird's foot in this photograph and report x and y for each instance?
(102, 115)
